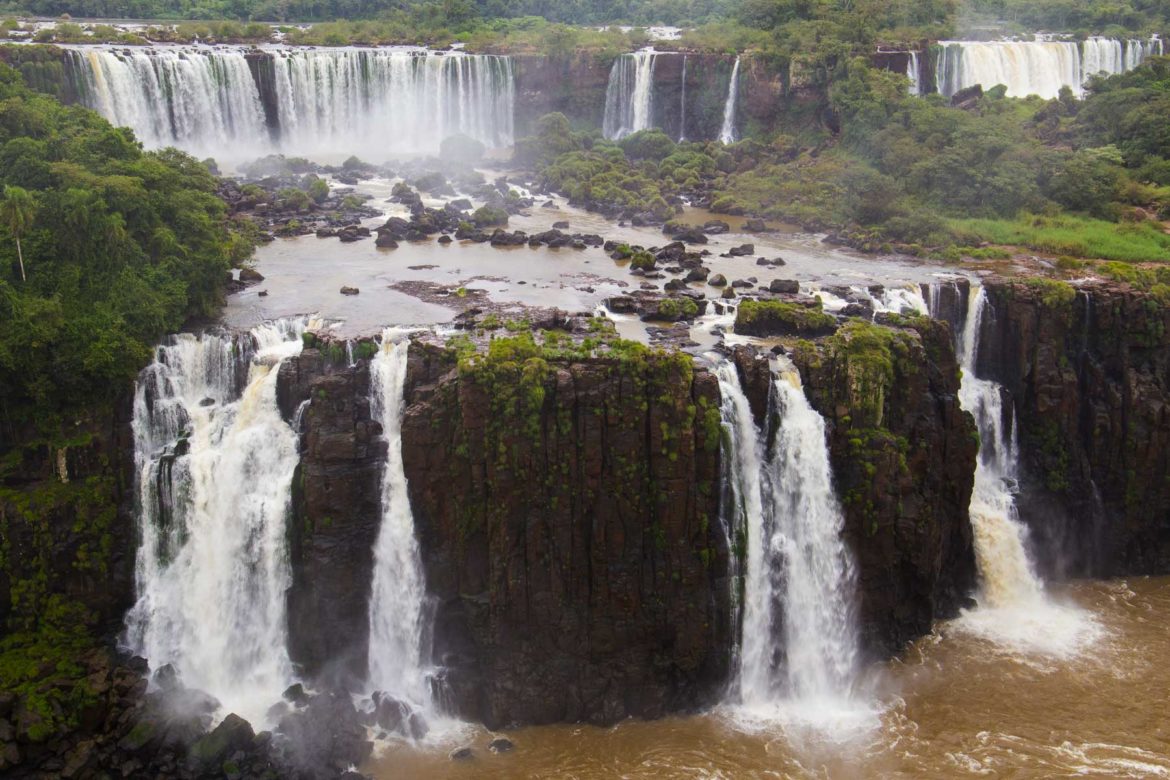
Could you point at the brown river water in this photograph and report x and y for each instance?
(955, 704)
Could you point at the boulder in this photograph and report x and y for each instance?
(784, 286)
(350, 291)
(743, 250)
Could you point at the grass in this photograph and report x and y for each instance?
(1072, 236)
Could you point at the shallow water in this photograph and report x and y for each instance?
(956, 704)
(305, 274)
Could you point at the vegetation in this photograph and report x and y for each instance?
(103, 249)
(780, 318)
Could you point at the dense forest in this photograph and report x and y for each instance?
(103, 249)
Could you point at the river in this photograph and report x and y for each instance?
(952, 705)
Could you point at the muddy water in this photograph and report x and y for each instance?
(305, 274)
(954, 705)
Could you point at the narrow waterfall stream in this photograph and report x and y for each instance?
(799, 647)
(629, 95)
(215, 463)
(682, 111)
(727, 134)
(1014, 609)
(399, 635)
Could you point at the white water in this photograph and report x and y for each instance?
(682, 112)
(799, 580)
(212, 568)
(1040, 67)
(727, 134)
(398, 611)
(629, 95)
(913, 71)
(369, 102)
(1014, 610)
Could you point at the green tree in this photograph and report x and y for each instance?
(17, 212)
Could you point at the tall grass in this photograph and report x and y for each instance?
(1071, 236)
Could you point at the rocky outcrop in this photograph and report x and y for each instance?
(336, 512)
(1088, 371)
(568, 516)
(903, 455)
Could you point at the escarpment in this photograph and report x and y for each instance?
(903, 455)
(1088, 371)
(568, 514)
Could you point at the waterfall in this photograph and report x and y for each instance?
(399, 634)
(1040, 67)
(370, 102)
(913, 71)
(727, 134)
(629, 95)
(1014, 609)
(799, 580)
(215, 463)
(682, 112)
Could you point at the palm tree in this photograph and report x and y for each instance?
(17, 211)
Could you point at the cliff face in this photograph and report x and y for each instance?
(903, 455)
(336, 514)
(1088, 371)
(568, 515)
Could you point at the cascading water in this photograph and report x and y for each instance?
(399, 611)
(215, 462)
(629, 95)
(913, 72)
(799, 578)
(682, 112)
(1040, 67)
(304, 101)
(1014, 609)
(727, 134)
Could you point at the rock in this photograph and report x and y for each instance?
(385, 241)
(690, 236)
(562, 225)
(444, 239)
(501, 745)
(728, 292)
(262, 294)
(232, 734)
(166, 678)
(462, 754)
(743, 250)
(784, 286)
(295, 693)
(698, 274)
(755, 226)
(718, 280)
(742, 283)
(250, 276)
(716, 227)
(349, 290)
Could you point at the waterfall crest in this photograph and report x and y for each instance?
(799, 580)
(1014, 609)
(215, 463)
(370, 102)
(399, 632)
(629, 95)
(727, 134)
(1040, 67)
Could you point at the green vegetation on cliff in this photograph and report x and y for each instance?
(118, 246)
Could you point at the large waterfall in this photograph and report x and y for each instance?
(398, 602)
(914, 73)
(629, 96)
(727, 133)
(799, 580)
(1014, 609)
(215, 462)
(1040, 67)
(369, 102)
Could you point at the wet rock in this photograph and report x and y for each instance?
(716, 227)
(444, 239)
(250, 276)
(784, 286)
(698, 274)
(742, 284)
(462, 754)
(690, 236)
(743, 250)
(296, 694)
(385, 241)
(262, 294)
(232, 734)
(728, 292)
(562, 225)
(166, 677)
(718, 280)
(755, 226)
(501, 745)
(349, 290)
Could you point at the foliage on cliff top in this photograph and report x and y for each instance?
(870, 356)
(124, 247)
(791, 318)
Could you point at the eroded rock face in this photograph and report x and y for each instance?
(903, 465)
(336, 514)
(569, 526)
(1089, 375)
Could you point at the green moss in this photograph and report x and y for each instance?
(1054, 294)
(781, 318)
